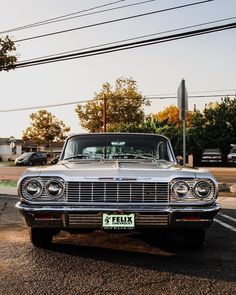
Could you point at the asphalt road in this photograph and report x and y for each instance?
(225, 175)
(101, 263)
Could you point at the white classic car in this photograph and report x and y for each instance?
(117, 182)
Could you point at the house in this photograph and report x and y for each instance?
(8, 150)
(11, 151)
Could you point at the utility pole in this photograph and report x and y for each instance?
(104, 113)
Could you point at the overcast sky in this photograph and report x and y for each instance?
(206, 62)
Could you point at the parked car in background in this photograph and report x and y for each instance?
(31, 159)
(212, 156)
(117, 182)
(231, 158)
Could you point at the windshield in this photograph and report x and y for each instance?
(26, 155)
(118, 146)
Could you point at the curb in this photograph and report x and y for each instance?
(226, 187)
(8, 191)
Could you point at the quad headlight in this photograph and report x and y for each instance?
(180, 190)
(55, 188)
(193, 190)
(42, 188)
(33, 188)
(202, 189)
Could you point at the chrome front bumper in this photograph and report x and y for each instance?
(148, 216)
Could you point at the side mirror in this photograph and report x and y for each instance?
(54, 161)
(179, 160)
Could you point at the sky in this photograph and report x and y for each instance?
(207, 63)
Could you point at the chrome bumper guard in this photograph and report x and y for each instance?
(81, 217)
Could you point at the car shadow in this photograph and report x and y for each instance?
(165, 252)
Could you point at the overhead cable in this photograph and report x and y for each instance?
(130, 39)
(55, 20)
(85, 101)
(126, 46)
(111, 21)
(58, 18)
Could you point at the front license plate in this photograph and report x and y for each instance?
(118, 221)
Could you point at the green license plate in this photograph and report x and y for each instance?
(118, 221)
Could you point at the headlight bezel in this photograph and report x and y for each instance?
(197, 184)
(179, 182)
(58, 181)
(44, 197)
(26, 193)
(193, 198)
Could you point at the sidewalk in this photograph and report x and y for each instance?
(8, 191)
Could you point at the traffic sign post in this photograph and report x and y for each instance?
(183, 107)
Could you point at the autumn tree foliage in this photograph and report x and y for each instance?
(45, 128)
(171, 116)
(7, 54)
(125, 105)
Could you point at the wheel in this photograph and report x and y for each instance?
(30, 163)
(41, 237)
(194, 238)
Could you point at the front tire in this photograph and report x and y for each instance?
(40, 237)
(194, 239)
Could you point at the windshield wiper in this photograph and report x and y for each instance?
(84, 157)
(133, 156)
(78, 156)
(165, 162)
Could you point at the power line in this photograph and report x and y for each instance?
(192, 96)
(130, 39)
(84, 101)
(44, 106)
(131, 45)
(112, 21)
(60, 19)
(203, 91)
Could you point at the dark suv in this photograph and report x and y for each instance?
(32, 158)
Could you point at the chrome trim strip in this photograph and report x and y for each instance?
(59, 209)
(189, 220)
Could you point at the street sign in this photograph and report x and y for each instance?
(183, 107)
(182, 95)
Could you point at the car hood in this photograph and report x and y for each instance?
(116, 170)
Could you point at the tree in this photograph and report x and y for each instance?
(171, 114)
(7, 56)
(216, 125)
(45, 129)
(124, 106)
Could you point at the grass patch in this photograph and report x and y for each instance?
(8, 183)
(7, 164)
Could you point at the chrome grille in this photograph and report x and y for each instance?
(95, 220)
(117, 192)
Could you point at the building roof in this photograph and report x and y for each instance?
(5, 141)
